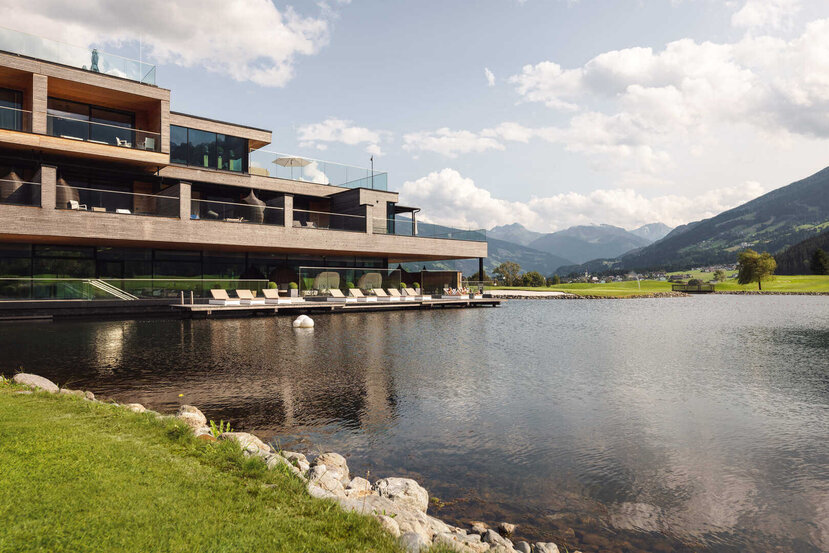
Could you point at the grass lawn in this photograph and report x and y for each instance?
(798, 283)
(81, 476)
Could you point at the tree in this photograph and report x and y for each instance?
(533, 278)
(555, 280)
(508, 272)
(755, 267)
(477, 277)
(820, 262)
(719, 275)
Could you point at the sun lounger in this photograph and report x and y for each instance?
(418, 297)
(272, 297)
(246, 297)
(395, 293)
(383, 296)
(357, 294)
(220, 297)
(337, 296)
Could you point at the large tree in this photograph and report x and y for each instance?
(533, 278)
(508, 272)
(755, 267)
(820, 262)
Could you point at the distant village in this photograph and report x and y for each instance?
(662, 276)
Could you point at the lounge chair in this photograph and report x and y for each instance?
(336, 295)
(418, 297)
(272, 297)
(220, 297)
(246, 297)
(383, 296)
(395, 293)
(357, 294)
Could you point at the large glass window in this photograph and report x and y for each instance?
(79, 121)
(68, 119)
(208, 150)
(112, 127)
(11, 102)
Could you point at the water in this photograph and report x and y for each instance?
(693, 424)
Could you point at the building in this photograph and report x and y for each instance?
(100, 180)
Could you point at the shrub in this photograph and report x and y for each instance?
(349, 285)
(293, 285)
(402, 285)
(272, 285)
(416, 285)
(694, 282)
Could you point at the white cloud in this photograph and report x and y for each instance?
(448, 198)
(490, 77)
(247, 40)
(775, 14)
(316, 135)
(449, 143)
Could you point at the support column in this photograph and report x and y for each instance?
(369, 211)
(481, 268)
(184, 196)
(40, 93)
(48, 178)
(288, 210)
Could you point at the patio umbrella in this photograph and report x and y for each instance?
(292, 162)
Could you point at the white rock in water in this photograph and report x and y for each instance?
(303, 321)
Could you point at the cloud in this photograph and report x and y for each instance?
(448, 198)
(775, 14)
(247, 40)
(449, 143)
(316, 135)
(490, 77)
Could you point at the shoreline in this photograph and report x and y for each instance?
(400, 505)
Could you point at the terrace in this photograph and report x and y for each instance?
(304, 169)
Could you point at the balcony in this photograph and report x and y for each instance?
(78, 128)
(408, 227)
(234, 212)
(14, 191)
(327, 220)
(75, 198)
(305, 169)
(13, 119)
(90, 59)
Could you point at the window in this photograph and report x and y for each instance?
(208, 150)
(79, 121)
(11, 102)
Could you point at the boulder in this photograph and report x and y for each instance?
(389, 525)
(506, 529)
(191, 416)
(274, 460)
(479, 527)
(303, 321)
(414, 543)
(334, 461)
(494, 538)
(298, 460)
(89, 395)
(464, 544)
(545, 547)
(327, 479)
(68, 392)
(523, 547)
(135, 407)
(249, 443)
(35, 381)
(404, 491)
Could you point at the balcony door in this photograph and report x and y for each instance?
(11, 104)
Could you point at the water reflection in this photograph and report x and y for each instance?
(672, 425)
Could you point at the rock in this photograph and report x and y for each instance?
(494, 538)
(334, 461)
(523, 547)
(389, 525)
(191, 416)
(465, 544)
(303, 321)
(479, 527)
(413, 543)
(35, 381)
(327, 479)
(249, 443)
(68, 392)
(506, 529)
(135, 407)
(89, 395)
(542, 547)
(319, 493)
(404, 491)
(274, 460)
(298, 460)
(202, 431)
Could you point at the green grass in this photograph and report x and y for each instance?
(798, 283)
(79, 476)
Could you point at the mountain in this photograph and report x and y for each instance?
(582, 243)
(797, 259)
(771, 223)
(515, 233)
(652, 232)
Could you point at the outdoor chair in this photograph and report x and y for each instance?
(272, 297)
(357, 294)
(246, 297)
(395, 293)
(77, 206)
(383, 296)
(337, 295)
(220, 297)
(419, 297)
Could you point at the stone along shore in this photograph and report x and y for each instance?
(399, 504)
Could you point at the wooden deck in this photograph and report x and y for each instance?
(203, 310)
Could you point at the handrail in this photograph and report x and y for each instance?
(235, 203)
(329, 213)
(117, 192)
(110, 289)
(90, 122)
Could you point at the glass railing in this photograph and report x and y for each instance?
(406, 227)
(304, 218)
(306, 169)
(102, 133)
(109, 201)
(15, 192)
(318, 281)
(142, 288)
(91, 59)
(13, 119)
(236, 212)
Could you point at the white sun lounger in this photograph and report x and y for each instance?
(220, 297)
(358, 295)
(395, 293)
(246, 297)
(338, 296)
(383, 296)
(272, 297)
(419, 297)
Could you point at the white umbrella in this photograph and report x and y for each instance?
(292, 162)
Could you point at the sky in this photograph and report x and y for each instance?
(549, 113)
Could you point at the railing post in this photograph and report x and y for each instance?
(288, 207)
(48, 186)
(184, 195)
(39, 103)
(369, 211)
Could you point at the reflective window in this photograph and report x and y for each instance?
(69, 119)
(202, 149)
(208, 150)
(178, 144)
(11, 102)
(232, 150)
(112, 127)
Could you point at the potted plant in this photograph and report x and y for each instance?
(349, 285)
(272, 285)
(293, 289)
(416, 286)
